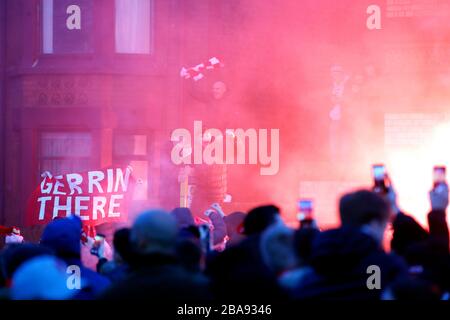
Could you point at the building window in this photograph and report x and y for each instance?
(65, 152)
(67, 26)
(133, 26)
(132, 149)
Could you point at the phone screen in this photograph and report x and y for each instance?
(379, 172)
(381, 183)
(305, 209)
(439, 174)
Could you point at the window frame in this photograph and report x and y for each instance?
(69, 55)
(104, 58)
(126, 159)
(40, 158)
(128, 55)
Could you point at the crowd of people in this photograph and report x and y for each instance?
(176, 257)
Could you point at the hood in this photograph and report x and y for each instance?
(341, 251)
(63, 236)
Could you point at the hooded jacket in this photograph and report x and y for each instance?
(63, 237)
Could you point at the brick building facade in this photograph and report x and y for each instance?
(77, 99)
(77, 95)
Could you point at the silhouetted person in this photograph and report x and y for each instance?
(303, 241)
(341, 257)
(118, 268)
(427, 251)
(240, 271)
(156, 274)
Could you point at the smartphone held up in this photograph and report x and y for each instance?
(305, 213)
(439, 177)
(380, 179)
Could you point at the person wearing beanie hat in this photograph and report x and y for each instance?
(30, 283)
(156, 274)
(63, 236)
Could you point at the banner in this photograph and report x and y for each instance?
(95, 196)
